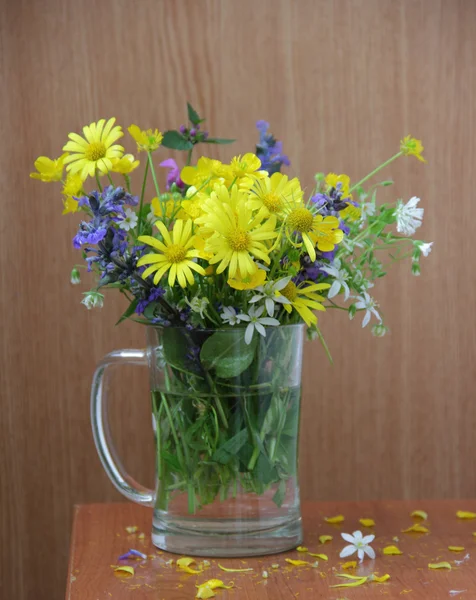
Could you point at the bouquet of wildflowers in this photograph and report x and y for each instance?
(227, 247)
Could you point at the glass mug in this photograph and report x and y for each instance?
(225, 418)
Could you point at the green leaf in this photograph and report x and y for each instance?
(218, 141)
(129, 311)
(228, 353)
(171, 460)
(231, 447)
(176, 344)
(193, 115)
(280, 493)
(176, 141)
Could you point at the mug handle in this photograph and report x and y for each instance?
(114, 468)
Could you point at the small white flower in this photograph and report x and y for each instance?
(93, 300)
(365, 302)
(75, 276)
(425, 248)
(367, 210)
(256, 321)
(230, 316)
(267, 292)
(340, 279)
(198, 305)
(409, 216)
(129, 221)
(359, 544)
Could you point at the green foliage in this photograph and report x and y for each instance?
(193, 115)
(174, 140)
(211, 140)
(227, 353)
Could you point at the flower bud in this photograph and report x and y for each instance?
(182, 129)
(416, 268)
(93, 300)
(379, 330)
(193, 132)
(75, 276)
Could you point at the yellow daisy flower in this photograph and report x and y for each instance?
(303, 299)
(148, 140)
(238, 235)
(73, 186)
(49, 169)
(96, 150)
(249, 282)
(332, 179)
(314, 229)
(412, 147)
(124, 165)
(175, 254)
(273, 193)
(172, 208)
(244, 170)
(206, 170)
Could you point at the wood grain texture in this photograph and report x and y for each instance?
(340, 81)
(99, 538)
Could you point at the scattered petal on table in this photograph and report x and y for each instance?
(227, 570)
(321, 556)
(297, 563)
(416, 528)
(132, 554)
(204, 592)
(351, 564)
(184, 565)
(356, 581)
(392, 550)
(275, 566)
(440, 565)
(464, 514)
(124, 569)
(131, 528)
(380, 579)
(301, 549)
(456, 548)
(213, 584)
(328, 538)
(264, 574)
(420, 514)
(334, 520)
(367, 522)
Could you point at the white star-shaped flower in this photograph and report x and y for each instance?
(359, 544)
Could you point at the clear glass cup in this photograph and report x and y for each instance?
(226, 427)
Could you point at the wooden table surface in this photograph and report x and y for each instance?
(99, 538)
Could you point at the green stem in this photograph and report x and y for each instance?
(375, 171)
(139, 224)
(156, 185)
(189, 156)
(99, 183)
(127, 179)
(110, 179)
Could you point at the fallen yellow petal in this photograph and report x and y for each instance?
(351, 564)
(456, 548)
(380, 579)
(440, 565)
(420, 514)
(185, 561)
(321, 556)
(233, 570)
(325, 538)
(190, 571)
(213, 584)
(301, 549)
(361, 581)
(346, 576)
(125, 569)
(417, 528)
(141, 536)
(367, 522)
(464, 514)
(391, 550)
(297, 563)
(336, 519)
(131, 528)
(204, 592)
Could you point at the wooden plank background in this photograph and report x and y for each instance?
(341, 81)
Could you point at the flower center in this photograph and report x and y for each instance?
(289, 291)
(95, 151)
(272, 202)
(238, 240)
(300, 219)
(175, 253)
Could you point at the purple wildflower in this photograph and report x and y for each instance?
(173, 174)
(269, 150)
(154, 294)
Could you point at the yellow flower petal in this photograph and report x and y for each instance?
(185, 561)
(233, 570)
(124, 569)
(420, 514)
(456, 548)
(367, 522)
(391, 550)
(440, 565)
(464, 514)
(357, 582)
(334, 520)
(417, 528)
(131, 528)
(297, 563)
(321, 556)
(325, 538)
(205, 592)
(351, 564)
(213, 584)
(380, 579)
(190, 571)
(301, 549)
